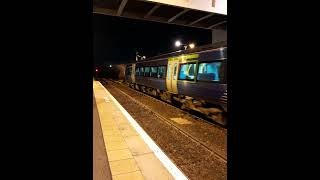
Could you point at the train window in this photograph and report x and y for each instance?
(141, 71)
(175, 71)
(137, 71)
(209, 71)
(147, 71)
(161, 71)
(154, 71)
(168, 74)
(187, 71)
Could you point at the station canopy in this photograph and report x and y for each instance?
(205, 14)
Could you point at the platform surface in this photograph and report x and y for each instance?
(101, 169)
(128, 155)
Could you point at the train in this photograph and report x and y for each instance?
(195, 79)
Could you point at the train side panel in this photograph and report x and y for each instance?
(152, 82)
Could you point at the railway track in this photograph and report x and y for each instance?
(217, 154)
(193, 157)
(208, 121)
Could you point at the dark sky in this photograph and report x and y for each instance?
(115, 38)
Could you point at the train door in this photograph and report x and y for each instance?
(128, 73)
(133, 73)
(172, 76)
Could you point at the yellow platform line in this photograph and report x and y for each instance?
(121, 161)
(117, 132)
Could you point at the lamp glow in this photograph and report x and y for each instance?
(178, 43)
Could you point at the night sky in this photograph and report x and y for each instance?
(115, 38)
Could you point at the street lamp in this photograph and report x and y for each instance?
(191, 45)
(97, 71)
(178, 44)
(138, 57)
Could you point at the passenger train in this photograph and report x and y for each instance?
(196, 79)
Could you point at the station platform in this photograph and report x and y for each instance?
(130, 152)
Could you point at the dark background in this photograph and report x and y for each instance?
(116, 40)
(47, 60)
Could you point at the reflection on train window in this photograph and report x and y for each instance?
(168, 74)
(141, 71)
(175, 71)
(161, 71)
(154, 71)
(187, 71)
(137, 71)
(147, 71)
(209, 71)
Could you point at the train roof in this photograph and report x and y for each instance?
(177, 53)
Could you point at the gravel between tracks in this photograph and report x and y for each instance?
(212, 136)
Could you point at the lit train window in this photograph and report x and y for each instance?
(161, 71)
(187, 71)
(209, 71)
(137, 71)
(147, 71)
(154, 71)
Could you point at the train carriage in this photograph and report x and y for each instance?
(195, 78)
